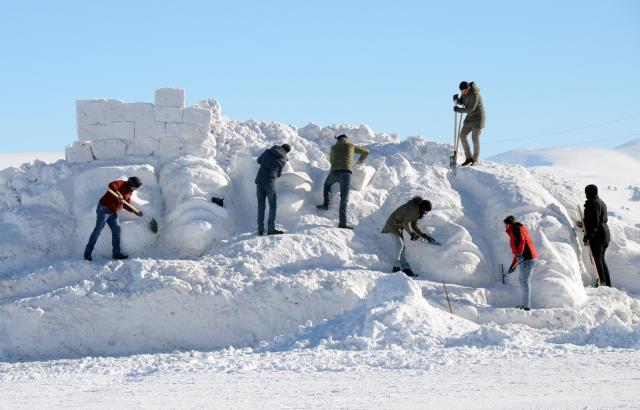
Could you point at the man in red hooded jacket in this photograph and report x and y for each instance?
(524, 255)
(107, 212)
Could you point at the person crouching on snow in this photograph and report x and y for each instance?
(107, 211)
(405, 217)
(524, 255)
(271, 162)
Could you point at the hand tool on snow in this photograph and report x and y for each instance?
(447, 294)
(151, 222)
(457, 127)
(434, 242)
(502, 273)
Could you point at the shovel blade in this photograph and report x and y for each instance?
(453, 160)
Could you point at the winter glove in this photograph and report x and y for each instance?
(140, 213)
(428, 238)
(414, 236)
(455, 98)
(520, 258)
(512, 268)
(457, 109)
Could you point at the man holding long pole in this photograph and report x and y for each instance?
(472, 105)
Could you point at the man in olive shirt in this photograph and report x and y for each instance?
(472, 105)
(341, 158)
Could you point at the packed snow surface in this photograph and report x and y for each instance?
(206, 281)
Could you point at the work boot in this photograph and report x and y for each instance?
(467, 161)
(87, 256)
(119, 255)
(274, 232)
(345, 226)
(409, 273)
(323, 207)
(260, 232)
(523, 308)
(396, 269)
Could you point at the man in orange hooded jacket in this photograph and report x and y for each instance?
(107, 212)
(524, 256)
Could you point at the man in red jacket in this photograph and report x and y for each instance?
(107, 212)
(524, 255)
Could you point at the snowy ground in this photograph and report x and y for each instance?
(207, 313)
(575, 379)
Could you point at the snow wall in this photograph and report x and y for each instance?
(206, 280)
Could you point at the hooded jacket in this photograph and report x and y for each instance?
(111, 202)
(405, 217)
(521, 242)
(473, 107)
(271, 162)
(595, 218)
(342, 153)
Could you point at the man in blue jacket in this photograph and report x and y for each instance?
(271, 164)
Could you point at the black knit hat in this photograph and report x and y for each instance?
(286, 147)
(134, 182)
(463, 85)
(510, 220)
(591, 191)
(425, 205)
(341, 136)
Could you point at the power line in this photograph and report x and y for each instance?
(602, 139)
(567, 130)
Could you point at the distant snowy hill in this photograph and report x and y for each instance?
(615, 171)
(207, 281)
(631, 148)
(14, 159)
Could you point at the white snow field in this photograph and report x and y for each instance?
(311, 318)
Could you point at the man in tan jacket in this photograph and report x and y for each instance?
(341, 158)
(472, 105)
(405, 217)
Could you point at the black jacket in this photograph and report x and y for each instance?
(595, 220)
(271, 163)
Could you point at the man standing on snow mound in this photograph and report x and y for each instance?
(107, 211)
(596, 231)
(473, 123)
(405, 217)
(524, 255)
(341, 158)
(271, 162)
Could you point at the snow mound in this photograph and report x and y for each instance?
(394, 314)
(206, 281)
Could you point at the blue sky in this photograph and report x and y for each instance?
(542, 67)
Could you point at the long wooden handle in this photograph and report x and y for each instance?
(119, 196)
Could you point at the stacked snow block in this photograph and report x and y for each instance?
(114, 130)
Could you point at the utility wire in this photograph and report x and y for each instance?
(567, 130)
(601, 139)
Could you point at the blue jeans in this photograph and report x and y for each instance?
(344, 179)
(526, 268)
(104, 214)
(400, 254)
(266, 192)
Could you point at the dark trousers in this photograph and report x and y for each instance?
(265, 192)
(598, 250)
(344, 179)
(104, 215)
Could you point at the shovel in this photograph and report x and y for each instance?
(436, 243)
(457, 127)
(152, 223)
